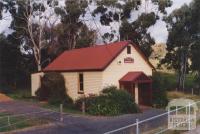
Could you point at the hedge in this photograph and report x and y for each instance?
(111, 101)
(53, 89)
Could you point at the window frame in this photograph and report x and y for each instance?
(80, 83)
(128, 49)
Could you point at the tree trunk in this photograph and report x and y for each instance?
(178, 80)
(39, 68)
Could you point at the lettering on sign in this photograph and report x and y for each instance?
(128, 60)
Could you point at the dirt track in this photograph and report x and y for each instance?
(4, 98)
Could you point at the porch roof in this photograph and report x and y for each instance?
(135, 77)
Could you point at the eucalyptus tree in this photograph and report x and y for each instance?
(72, 32)
(135, 30)
(195, 48)
(30, 18)
(182, 43)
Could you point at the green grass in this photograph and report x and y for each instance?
(24, 94)
(169, 80)
(20, 94)
(66, 109)
(175, 95)
(19, 122)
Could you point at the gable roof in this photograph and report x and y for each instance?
(138, 77)
(95, 58)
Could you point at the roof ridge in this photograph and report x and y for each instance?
(98, 45)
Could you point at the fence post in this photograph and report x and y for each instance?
(192, 91)
(61, 112)
(83, 104)
(189, 117)
(8, 120)
(137, 126)
(168, 116)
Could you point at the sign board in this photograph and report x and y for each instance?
(128, 60)
(182, 114)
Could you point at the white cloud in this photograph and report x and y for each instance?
(5, 23)
(177, 4)
(159, 31)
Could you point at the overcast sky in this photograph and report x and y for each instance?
(158, 31)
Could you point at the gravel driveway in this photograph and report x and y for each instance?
(74, 124)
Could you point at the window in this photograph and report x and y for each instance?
(128, 49)
(81, 83)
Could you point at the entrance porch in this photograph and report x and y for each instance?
(139, 86)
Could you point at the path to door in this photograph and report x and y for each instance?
(74, 124)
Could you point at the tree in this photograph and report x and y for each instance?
(10, 56)
(29, 22)
(72, 32)
(195, 48)
(10, 59)
(137, 32)
(182, 37)
(162, 5)
(114, 11)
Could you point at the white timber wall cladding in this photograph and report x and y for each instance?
(71, 84)
(115, 71)
(35, 82)
(92, 83)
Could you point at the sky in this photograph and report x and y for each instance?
(157, 31)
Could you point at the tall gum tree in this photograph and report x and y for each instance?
(29, 21)
(182, 43)
(120, 11)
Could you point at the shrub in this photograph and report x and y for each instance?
(159, 92)
(111, 101)
(6, 89)
(53, 89)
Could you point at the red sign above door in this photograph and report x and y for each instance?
(128, 60)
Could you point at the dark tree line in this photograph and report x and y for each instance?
(36, 39)
(34, 44)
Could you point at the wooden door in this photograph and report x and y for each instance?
(144, 94)
(129, 87)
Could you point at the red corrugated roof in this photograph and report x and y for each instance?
(88, 59)
(135, 77)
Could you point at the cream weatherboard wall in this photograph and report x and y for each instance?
(116, 70)
(92, 83)
(35, 82)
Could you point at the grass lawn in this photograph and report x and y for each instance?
(16, 123)
(25, 95)
(175, 95)
(169, 80)
(22, 95)
(68, 109)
